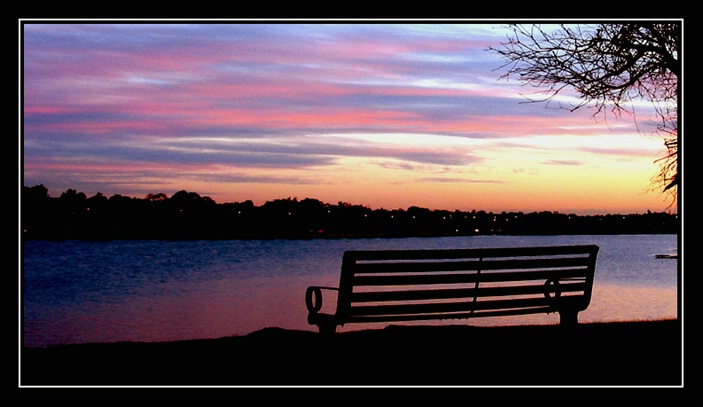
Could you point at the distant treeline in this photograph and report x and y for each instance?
(187, 215)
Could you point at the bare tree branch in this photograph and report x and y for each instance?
(610, 66)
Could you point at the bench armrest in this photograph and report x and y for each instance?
(313, 297)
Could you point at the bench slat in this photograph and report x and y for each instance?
(468, 253)
(435, 266)
(426, 279)
(450, 293)
(457, 315)
(442, 308)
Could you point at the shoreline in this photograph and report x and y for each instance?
(26, 236)
(637, 353)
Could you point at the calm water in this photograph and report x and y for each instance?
(77, 292)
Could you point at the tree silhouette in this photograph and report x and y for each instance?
(189, 216)
(610, 66)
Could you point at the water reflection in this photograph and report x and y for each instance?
(217, 289)
(226, 308)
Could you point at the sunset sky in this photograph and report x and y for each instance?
(382, 115)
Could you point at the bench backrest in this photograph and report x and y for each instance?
(401, 285)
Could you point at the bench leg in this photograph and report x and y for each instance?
(568, 318)
(327, 329)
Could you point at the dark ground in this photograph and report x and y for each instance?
(603, 355)
(643, 353)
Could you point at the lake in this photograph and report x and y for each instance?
(153, 290)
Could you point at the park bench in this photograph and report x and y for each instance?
(414, 285)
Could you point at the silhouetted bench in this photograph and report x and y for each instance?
(407, 285)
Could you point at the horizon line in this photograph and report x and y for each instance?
(296, 199)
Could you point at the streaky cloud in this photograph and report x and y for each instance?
(621, 151)
(238, 178)
(563, 162)
(459, 180)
